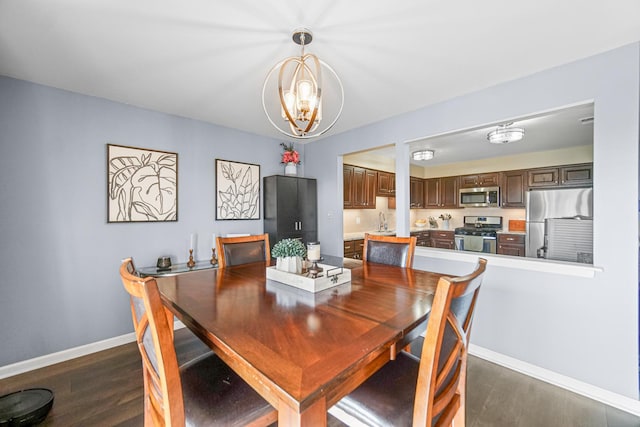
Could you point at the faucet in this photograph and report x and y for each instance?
(382, 222)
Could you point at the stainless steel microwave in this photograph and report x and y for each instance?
(479, 197)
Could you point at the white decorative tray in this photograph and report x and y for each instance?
(329, 277)
(290, 296)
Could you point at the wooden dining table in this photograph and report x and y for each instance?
(302, 351)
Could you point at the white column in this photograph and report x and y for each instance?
(403, 225)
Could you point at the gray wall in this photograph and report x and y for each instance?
(59, 286)
(586, 329)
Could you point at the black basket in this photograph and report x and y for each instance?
(25, 407)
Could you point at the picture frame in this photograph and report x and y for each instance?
(237, 190)
(142, 185)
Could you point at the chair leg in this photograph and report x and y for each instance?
(458, 420)
(460, 417)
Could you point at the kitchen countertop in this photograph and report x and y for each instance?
(358, 235)
(511, 232)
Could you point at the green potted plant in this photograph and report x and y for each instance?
(289, 254)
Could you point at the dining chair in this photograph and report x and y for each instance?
(389, 250)
(429, 391)
(242, 250)
(204, 391)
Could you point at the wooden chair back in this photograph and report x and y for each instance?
(440, 392)
(243, 250)
(389, 250)
(153, 324)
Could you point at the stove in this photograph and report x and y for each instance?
(479, 234)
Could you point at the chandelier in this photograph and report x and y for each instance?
(297, 110)
(505, 134)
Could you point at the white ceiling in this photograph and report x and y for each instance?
(207, 59)
(565, 128)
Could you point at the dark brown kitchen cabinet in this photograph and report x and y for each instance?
(359, 187)
(386, 184)
(354, 248)
(449, 190)
(441, 192)
(423, 238)
(349, 248)
(290, 208)
(578, 175)
(370, 184)
(442, 239)
(544, 177)
(416, 192)
(432, 193)
(511, 244)
(513, 189)
(347, 182)
(479, 180)
(359, 190)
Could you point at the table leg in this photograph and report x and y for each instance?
(315, 415)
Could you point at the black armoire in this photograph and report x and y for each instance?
(290, 208)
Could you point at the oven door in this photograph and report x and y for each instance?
(489, 244)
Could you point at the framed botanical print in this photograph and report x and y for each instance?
(237, 190)
(142, 184)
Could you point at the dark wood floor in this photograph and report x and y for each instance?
(105, 389)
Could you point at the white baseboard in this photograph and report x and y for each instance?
(71, 353)
(607, 397)
(64, 355)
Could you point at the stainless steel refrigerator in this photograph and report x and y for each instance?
(567, 203)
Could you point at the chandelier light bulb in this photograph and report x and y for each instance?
(289, 100)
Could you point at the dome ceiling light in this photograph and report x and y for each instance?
(504, 134)
(422, 155)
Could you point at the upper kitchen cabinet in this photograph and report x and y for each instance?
(544, 177)
(416, 192)
(386, 184)
(441, 192)
(513, 189)
(347, 182)
(290, 208)
(359, 187)
(578, 175)
(479, 180)
(449, 190)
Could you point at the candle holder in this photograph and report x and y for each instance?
(313, 256)
(315, 270)
(191, 263)
(214, 259)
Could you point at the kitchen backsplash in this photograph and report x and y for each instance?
(358, 220)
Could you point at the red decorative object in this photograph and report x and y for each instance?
(290, 155)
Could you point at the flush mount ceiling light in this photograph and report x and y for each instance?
(422, 155)
(505, 134)
(297, 105)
